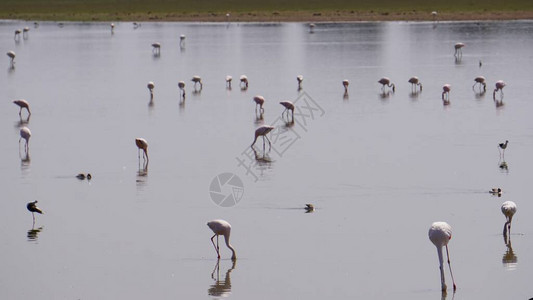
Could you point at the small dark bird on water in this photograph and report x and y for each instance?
(32, 206)
(82, 176)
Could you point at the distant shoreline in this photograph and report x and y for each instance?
(287, 16)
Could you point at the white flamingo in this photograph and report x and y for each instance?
(259, 101)
(11, 54)
(440, 234)
(197, 79)
(221, 227)
(25, 134)
(288, 107)
(446, 92)
(181, 86)
(151, 87)
(508, 210)
(244, 80)
(500, 84)
(228, 81)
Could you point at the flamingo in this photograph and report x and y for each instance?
(263, 131)
(25, 31)
(244, 80)
(25, 134)
(480, 80)
(182, 41)
(311, 27)
(503, 146)
(440, 234)
(508, 210)
(414, 81)
(300, 79)
(228, 81)
(446, 91)
(259, 101)
(156, 48)
(11, 55)
(197, 79)
(386, 82)
(345, 83)
(500, 84)
(142, 144)
(221, 227)
(181, 86)
(17, 34)
(434, 15)
(288, 106)
(458, 49)
(32, 206)
(112, 25)
(22, 104)
(151, 86)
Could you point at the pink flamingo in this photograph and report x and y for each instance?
(221, 227)
(142, 144)
(288, 106)
(414, 81)
(386, 82)
(446, 91)
(345, 84)
(440, 234)
(25, 134)
(22, 104)
(500, 84)
(263, 131)
(458, 49)
(259, 101)
(508, 210)
(244, 80)
(480, 80)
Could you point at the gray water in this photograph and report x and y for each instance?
(378, 167)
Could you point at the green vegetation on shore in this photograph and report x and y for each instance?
(261, 10)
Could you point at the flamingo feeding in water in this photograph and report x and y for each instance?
(500, 84)
(480, 80)
(228, 81)
(508, 210)
(156, 48)
(221, 227)
(182, 41)
(459, 49)
(440, 234)
(446, 92)
(414, 81)
(142, 144)
(345, 84)
(263, 131)
(25, 134)
(197, 79)
(288, 106)
(244, 80)
(259, 101)
(151, 86)
(11, 54)
(22, 104)
(181, 86)
(386, 82)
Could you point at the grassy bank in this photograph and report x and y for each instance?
(263, 10)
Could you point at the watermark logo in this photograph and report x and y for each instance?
(226, 190)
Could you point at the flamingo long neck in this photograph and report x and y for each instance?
(256, 136)
(442, 280)
(226, 239)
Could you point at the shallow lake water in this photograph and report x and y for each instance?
(379, 167)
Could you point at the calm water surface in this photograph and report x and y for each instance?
(379, 168)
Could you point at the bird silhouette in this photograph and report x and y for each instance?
(221, 227)
(508, 210)
(22, 104)
(142, 144)
(384, 81)
(263, 131)
(32, 207)
(440, 234)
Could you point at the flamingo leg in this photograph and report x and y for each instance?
(269, 143)
(450, 267)
(216, 247)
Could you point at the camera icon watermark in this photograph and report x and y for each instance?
(226, 189)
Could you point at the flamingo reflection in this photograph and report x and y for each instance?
(221, 288)
(509, 258)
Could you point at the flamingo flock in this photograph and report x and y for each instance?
(440, 233)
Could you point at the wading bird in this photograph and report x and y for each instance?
(228, 81)
(440, 234)
(221, 227)
(181, 86)
(459, 49)
(345, 84)
(480, 80)
(197, 79)
(11, 54)
(500, 84)
(312, 27)
(182, 41)
(32, 206)
(263, 131)
(496, 191)
(259, 101)
(309, 208)
(414, 81)
(25, 31)
(508, 210)
(22, 104)
(82, 176)
(112, 25)
(386, 82)
(503, 146)
(288, 106)
(244, 81)
(446, 92)
(17, 34)
(151, 86)
(300, 79)
(142, 144)
(25, 134)
(156, 48)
